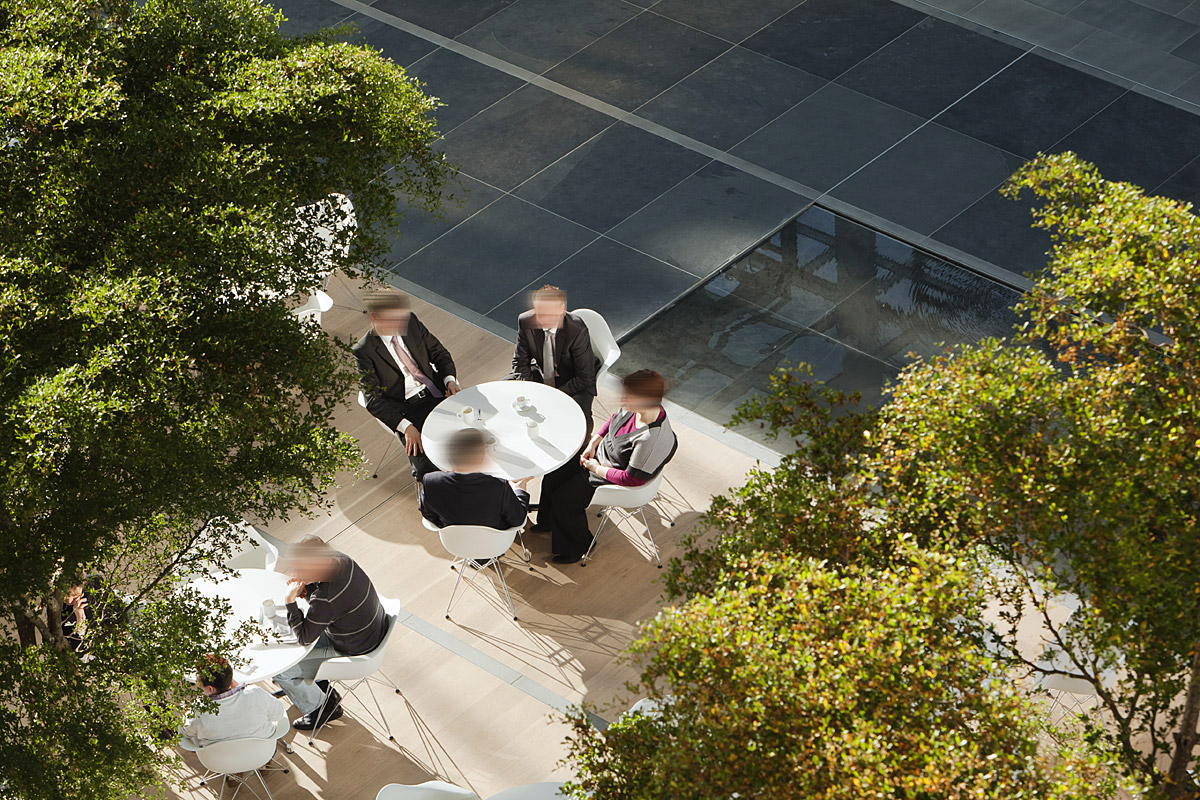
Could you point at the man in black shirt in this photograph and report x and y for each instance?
(469, 496)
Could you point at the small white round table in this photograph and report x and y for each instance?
(517, 451)
(246, 590)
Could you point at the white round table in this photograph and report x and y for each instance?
(246, 590)
(515, 453)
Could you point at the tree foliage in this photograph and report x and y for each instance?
(797, 678)
(166, 169)
(1072, 454)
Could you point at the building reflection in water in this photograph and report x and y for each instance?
(849, 301)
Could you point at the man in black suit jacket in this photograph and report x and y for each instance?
(469, 496)
(570, 362)
(404, 372)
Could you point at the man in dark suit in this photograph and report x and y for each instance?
(554, 347)
(466, 495)
(404, 372)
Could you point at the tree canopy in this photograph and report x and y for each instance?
(797, 678)
(168, 175)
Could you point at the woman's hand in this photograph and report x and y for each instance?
(80, 606)
(593, 466)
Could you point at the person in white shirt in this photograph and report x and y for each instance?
(404, 372)
(243, 712)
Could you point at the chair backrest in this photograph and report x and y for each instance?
(604, 344)
(627, 496)
(430, 790)
(237, 755)
(352, 668)
(476, 542)
(258, 552)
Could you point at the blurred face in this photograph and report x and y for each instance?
(74, 593)
(638, 403)
(548, 313)
(311, 569)
(391, 322)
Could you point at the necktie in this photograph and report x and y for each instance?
(412, 368)
(548, 359)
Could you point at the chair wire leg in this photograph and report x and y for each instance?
(504, 585)
(320, 713)
(454, 591)
(604, 512)
(382, 717)
(383, 461)
(650, 534)
(263, 781)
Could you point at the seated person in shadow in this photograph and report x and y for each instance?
(630, 449)
(466, 495)
(90, 606)
(243, 712)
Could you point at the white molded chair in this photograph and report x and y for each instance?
(482, 547)
(352, 672)
(531, 791)
(526, 556)
(430, 790)
(604, 344)
(317, 304)
(628, 501)
(260, 551)
(393, 438)
(235, 756)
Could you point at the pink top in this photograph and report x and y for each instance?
(622, 477)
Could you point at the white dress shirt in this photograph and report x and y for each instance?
(244, 712)
(412, 386)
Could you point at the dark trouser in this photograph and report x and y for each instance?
(566, 494)
(417, 413)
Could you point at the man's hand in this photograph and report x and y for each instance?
(80, 606)
(412, 441)
(452, 388)
(295, 588)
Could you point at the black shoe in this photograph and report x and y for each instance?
(279, 693)
(539, 528)
(310, 721)
(566, 559)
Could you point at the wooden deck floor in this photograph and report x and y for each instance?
(479, 692)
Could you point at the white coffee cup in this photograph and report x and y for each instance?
(521, 403)
(531, 427)
(467, 414)
(269, 610)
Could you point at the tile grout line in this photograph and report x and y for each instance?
(1194, 107)
(503, 193)
(922, 126)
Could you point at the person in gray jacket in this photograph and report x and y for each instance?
(630, 449)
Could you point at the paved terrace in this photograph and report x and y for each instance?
(479, 692)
